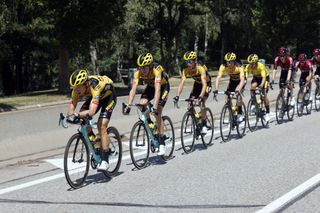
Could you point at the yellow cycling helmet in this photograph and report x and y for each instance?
(144, 59)
(190, 55)
(253, 58)
(230, 57)
(78, 77)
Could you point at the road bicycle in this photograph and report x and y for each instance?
(229, 116)
(317, 94)
(256, 109)
(284, 103)
(304, 99)
(80, 152)
(191, 126)
(143, 138)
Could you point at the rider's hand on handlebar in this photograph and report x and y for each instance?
(200, 99)
(176, 99)
(125, 109)
(74, 118)
(215, 91)
(155, 112)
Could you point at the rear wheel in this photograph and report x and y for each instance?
(225, 122)
(188, 132)
(139, 145)
(76, 161)
(208, 137)
(115, 155)
(280, 109)
(170, 138)
(252, 115)
(241, 127)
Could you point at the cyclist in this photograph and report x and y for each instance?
(202, 83)
(305, 67)
(284, 61)
(100, 94)
(237, 79)
(260, 79)
(157, 88)
(316, 61)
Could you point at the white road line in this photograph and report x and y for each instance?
(291, 196)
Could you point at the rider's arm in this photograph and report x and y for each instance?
(73, 103)
(290, 69)
(180, 87)
(220, 73)
(157, 89)
(93, 104)
(242, 80)
(204, 82)
(134, 86)
(263, 75)
(275, 68)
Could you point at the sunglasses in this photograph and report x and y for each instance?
(144, 68)
(230, 63)
(189, 61)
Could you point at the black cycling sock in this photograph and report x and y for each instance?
(161, 139)
(105, 155)
(240, 110)
(268, 109)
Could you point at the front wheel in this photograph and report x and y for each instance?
(317, 97)
(242, 125)
(280, 109)
(252, 115)
(225, 123)
(139, 145)
(115, 155)
(290, 108)
(208, 137)
(169, 138)
(188, 132)
(76, 161)
(300, 101)
(308, 102)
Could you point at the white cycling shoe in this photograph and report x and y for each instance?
(240, 118)
(162, 150)
(103, 166)
(267, 117)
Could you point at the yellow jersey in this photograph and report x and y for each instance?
(236, 74)
(149, 77)
(197, 74)
(100, 87)
(259, 71)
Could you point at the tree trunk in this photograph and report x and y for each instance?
(64, 70)
(206, 36)
(222, 49)
(93, 56)
(7, 79)
(196, 41)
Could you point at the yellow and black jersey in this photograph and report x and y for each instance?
(260, 71)
(197, 74)
(150, 76)
(235, 74)
(99, 88)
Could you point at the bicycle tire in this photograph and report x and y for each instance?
(300, 101)
(280, 109)
(290, 109)
(69, 171)
(210, 134)
(115, 157)
(225, 108)
(309, 102)
(317, 97)
(186, 118)
(241, 131)
(144, 145)
(252, 117)
(169, 146)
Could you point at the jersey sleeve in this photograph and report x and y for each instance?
(264, 71)
(157, 71)
(74, 97)
(241, 71)
(222, 68)
(276, 62)
(136, 76)
(183, 75)
(202, 72)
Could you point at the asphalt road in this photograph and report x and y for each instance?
(243, 175)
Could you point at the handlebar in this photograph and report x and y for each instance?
(193, 101)
(85, 121)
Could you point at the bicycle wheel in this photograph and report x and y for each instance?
(308, 102)
(252, 115)
(300, 102)
(290, 109)
(115, 155)
(170, 138)
(317, 97)
(241, 127)
(188, 132)
(225, 122)
(76, 161)
(280, 109)
(208, 137)
(139, 145)
(265, 124)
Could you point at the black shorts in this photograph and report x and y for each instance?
(317, 72)
(107, 105)
(148, 93)
(303, 78)
(284, 75)
(258, 80)
(233, 85)
(196, 90)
